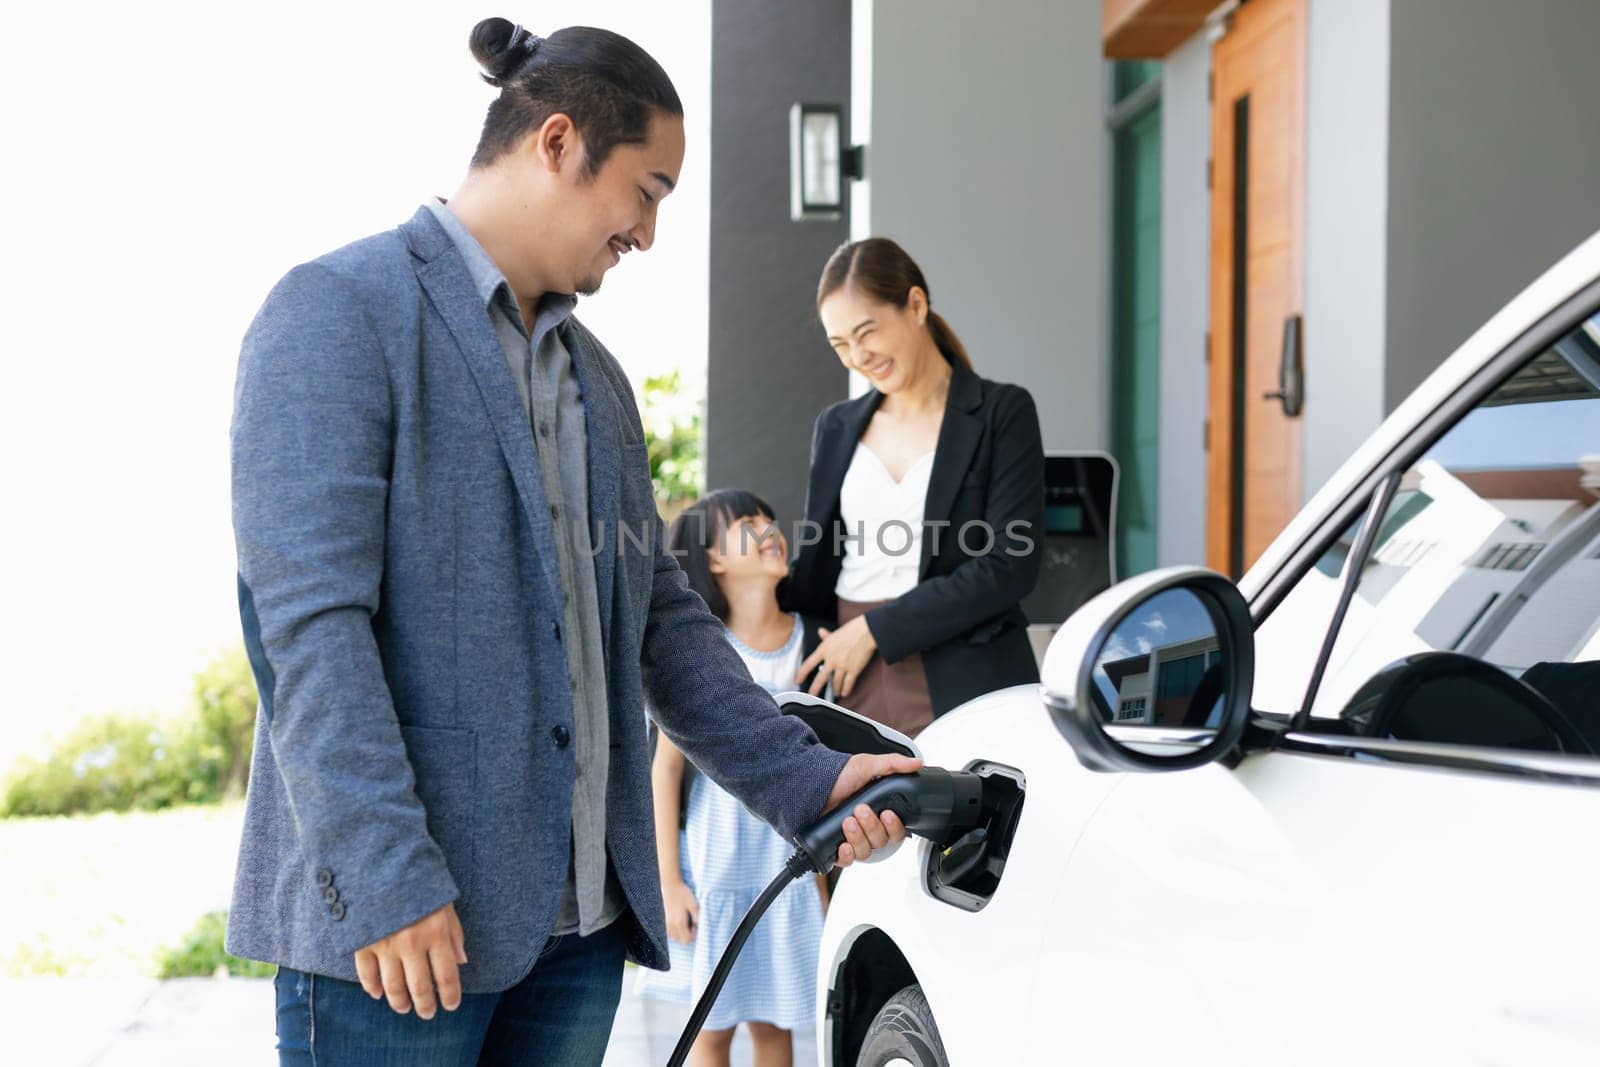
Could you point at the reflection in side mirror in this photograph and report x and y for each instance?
(1162, 666)
(1155, 673)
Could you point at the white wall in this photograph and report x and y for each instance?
(1346, 198)
(1494, 157)
(986, 163)
(165, 175)
(1185, 265)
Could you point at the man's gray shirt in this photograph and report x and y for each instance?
(553, 399)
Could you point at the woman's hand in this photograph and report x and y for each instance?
(843, 654)
(683, 911)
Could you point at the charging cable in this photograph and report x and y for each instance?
(933, 803)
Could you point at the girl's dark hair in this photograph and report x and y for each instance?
(608, 86)
(699, 527)
(881, 270)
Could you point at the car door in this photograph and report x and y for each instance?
(1401, 870)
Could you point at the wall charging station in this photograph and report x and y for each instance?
(1080, 548)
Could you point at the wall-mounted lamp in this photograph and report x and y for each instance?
(819, 162)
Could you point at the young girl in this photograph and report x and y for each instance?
(731, 549)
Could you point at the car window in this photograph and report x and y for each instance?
(1477, 615)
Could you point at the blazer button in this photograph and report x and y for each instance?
(337, 911)
(561, 735)
(555, 628)
(330, 894)
(324, 878)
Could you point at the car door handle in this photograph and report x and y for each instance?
(1291, 391)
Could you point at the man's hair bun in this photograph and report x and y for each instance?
(501, 47)
(608, 86)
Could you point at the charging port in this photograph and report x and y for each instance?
(967, 873)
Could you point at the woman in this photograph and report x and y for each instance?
(929, 495)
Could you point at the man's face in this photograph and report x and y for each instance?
(605, 216)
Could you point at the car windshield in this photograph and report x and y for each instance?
(1491, 547)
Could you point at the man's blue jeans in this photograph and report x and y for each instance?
(560, 1014)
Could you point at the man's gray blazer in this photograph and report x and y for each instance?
(401, 605)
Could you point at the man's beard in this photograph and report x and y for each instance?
(589, 286)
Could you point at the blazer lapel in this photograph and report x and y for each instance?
(833, 455)
(605, 465)
(444, 277)
(959, 434)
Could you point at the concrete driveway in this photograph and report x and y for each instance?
(201, 1022)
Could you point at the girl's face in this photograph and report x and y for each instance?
(751, 546)
(891, 346)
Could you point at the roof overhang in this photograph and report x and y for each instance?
(1149, 29)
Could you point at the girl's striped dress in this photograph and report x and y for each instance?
(727, 857)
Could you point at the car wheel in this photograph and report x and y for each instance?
(903, 1034)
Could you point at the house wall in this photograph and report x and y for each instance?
(769, 371)
(987, 162)
(1346, 219)
(1450, 157)
(1185, 284)
(1494, 153)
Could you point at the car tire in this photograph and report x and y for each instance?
(903, 1033)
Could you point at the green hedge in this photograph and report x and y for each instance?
(201, 955)
(141, 763)
(674, 438)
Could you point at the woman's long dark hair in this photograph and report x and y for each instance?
(699, 528)
(882, 271)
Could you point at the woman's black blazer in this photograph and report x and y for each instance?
(964, 614)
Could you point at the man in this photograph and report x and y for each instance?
(450, 574)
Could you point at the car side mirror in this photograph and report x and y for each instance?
(1155, 673)
(844, 730)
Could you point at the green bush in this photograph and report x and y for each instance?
(200, 954)
(141, 763)
(672, 420)
(225, 723)
(109, 763)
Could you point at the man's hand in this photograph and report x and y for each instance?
(842, 656)
(864, 830)
(683, 911)
(416, 966)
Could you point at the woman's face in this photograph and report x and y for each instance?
(751, 546)
(888, 345)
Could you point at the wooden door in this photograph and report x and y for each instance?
(1257, 184)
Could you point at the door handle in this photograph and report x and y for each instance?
(1291, 391)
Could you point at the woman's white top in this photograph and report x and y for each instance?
(882, 527)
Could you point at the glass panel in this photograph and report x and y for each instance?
(1161, 666)
(1288, 641)
(1128, 74)
(1136, 336)
(1490, 552)
(820, 135)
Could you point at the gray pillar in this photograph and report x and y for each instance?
(1493, 151)
(769, 370)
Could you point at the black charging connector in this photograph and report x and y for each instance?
(933, 803)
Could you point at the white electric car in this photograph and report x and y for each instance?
(1347, 811)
